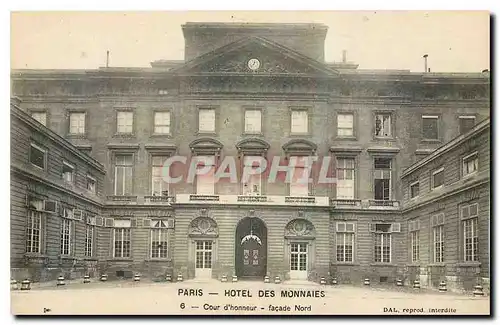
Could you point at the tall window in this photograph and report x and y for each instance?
(253, 121)
(437, 224)
(252, 185)
(121, 238)
(206, 120)
(66, 234)
(123, 174)
(159, 239)
(414, 189)
(124, 122)
(470, 164)
(345, 241)
(345, 125)
(430, 128)
(77, 123)
(38, 156)
(299, 122)
(345, 178)
(41, 117)
(437, 178)
(68, 173)
(34, 232)
(91, 184)
(414, 230)
(383, 238)
(89, 240)
(382, 178)
(205, 184)
(469, 215)
(299, 185)
(162, 122)
(383, 127)
(466, 123)
(159, 187)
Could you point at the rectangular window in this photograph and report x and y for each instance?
(124, 122)
(437, 178)
(158, 185)
(37, 156)
(121, 239)
(415, 245)
(253, 121)
(34, 232)
(470, 164)
(414, 189)
(299, 185)
(345, 125)
(469, 215)
(466, 123)
(382, 178)
(162, 122)
(205, 184)
(438, 235)
(430, 129)
(252, 185)
(91, 184)
(345, 178)
(77, 123)
(68, 172)
(89, 240)
(159, 239)
(383, 127)
(345, 241)
(41, 117)
(299, 122)
(206, 120)
(382, 243)
(123, 174)
(66, 234)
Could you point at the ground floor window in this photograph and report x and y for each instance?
(438, 235)
(415, 245)
(34, 232)
(159, 242)
(66, 233)
(383, 247)
(203, 254)
(89, 240)
(470, 240)
(345, 241)
(121, 242)
(298, 257)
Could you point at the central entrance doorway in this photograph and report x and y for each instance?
(298, 261)
(251, 248)
(203, 269)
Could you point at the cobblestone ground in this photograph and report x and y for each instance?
(251, 298)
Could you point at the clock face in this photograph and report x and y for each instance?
(253, 64)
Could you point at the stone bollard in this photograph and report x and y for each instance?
(13, 285)
(478, 290)
(416, 284)
(60, 281)
(104, 277)
(399, 282)
(223, 278)
(168, 278)
(322, 280)
(180, 278)
(266, 279)
(442, 286)
(277, 279)
(26, 284)
(86, 279)
(137, 277)
(367, 282)
(334, 281)
(235, 278)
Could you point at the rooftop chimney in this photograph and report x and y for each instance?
(107, 59)
(425, 60)
(344, 56)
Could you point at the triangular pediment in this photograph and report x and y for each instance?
(268, 58)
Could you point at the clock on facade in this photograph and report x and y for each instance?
(253, 64)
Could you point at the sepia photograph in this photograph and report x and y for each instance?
(222, 163)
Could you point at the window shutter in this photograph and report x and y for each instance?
(396, 227)
(170, 223)
(349, 227)
(341, 227)
(109, 222)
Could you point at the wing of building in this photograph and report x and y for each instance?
(97, 142)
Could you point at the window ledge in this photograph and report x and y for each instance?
(413, 264)
(35, 255)
(300, 134)
(346, 137)
(384, 138)
(90, 258)
(437, 265)
(469, 264)
(124, 135)
(161, 135)
(206, 133)
(258, 134)
(120, 259)
(76, 136)
(431, 140)
(383, 264)
(67, 257)
(344, 264)
(159, 260)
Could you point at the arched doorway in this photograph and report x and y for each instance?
(251, 248)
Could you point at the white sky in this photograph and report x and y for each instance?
(455, 41)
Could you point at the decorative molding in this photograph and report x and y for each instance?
(203, 226)
(300, 228)
(300, 146)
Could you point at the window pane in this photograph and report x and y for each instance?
(37, 157)
(125, 122)
(206, 120)
(253, 121)
(299, 122)
(430, 128)
(466, 124)
(438, 179)
(40, 117)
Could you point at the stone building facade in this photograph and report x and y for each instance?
(247, 90)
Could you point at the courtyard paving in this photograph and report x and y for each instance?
(240, 298)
